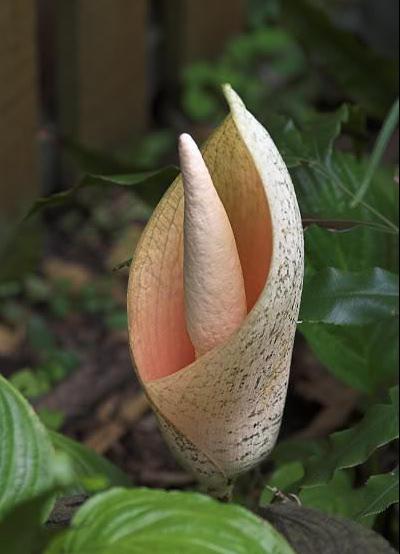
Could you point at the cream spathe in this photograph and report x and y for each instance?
(221, 411)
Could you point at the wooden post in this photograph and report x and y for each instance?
(208, 25)
(102, 69)
(18, 107)
(196, 30)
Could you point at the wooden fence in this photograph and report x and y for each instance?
(91, 68)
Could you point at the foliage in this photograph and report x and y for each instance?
(26, 450)
(349, 314)
(29, 454)
(349, 62)
(319, 479)
(285, 86)
(143, 520)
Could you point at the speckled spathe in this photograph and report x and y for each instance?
(221, 413)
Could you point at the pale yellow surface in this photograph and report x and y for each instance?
(221, 413)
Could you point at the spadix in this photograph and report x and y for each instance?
(216, 377)
(215, 299)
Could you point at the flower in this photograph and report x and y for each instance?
(211, 347)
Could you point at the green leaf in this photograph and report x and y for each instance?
(354, 446)
(87, 464)
(365, 76)
(320, 132)
(21, 530)
(26, 452)
(314, 139)
(380, 492)
(339, 496)
(355, 250)
(142, 520)
(364, 358)
(149, 185)
(347, 298)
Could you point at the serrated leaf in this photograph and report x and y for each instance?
(380, 492)
(143, 520)
(26, 452)
(86, 463)
(364, 358)
(354, 446)
(337, 497)
(349, 298)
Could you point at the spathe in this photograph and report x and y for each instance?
(221, 412)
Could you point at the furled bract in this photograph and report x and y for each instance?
(221, 412)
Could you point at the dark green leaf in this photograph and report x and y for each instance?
(337, 497)
(26, 452)
(21, 530)
(149, 185)
(380, 492)
(86, 464)
(347, 298)
(364, 358)
(142, 520)
(354, 446)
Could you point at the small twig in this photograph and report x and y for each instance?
(290, 497)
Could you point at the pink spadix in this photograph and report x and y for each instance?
(215, 300)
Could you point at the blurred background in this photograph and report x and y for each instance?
(104, 74)
(91, 87)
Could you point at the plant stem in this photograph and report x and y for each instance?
(386, 132)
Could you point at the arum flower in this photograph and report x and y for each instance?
(213, 300)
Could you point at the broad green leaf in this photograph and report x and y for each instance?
(365, 76)
(149, 185)
(358, 249)
(143, 520)
(380, 492)
(21, 530)
(87, 464)
(313, 141)
(354, 446)
(348, 298)
(320, 132)
(328, 189)
(364, 358)
(26, 452)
